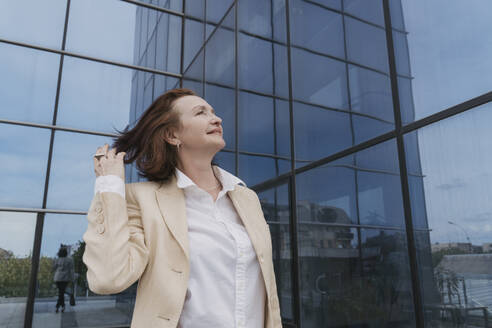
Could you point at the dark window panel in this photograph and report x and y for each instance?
(282, 127)
(276, 209)
(27, 84)
(192, 41)
(256, 169)
(219, 56)
(370, 93)
(366, 44)
(319, 80)
(316, 28)
(226, 160)
(256, 126)
(326, 194)
(366, 128)
(24, 156)
(370, 10)
(320, 132)
(382, 157)
(36, 22)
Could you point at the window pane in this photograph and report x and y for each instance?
(327, 194)
(72, 162)
(216, 9)
(263, 18)
(16, 240)
(319, 80)
(24, 156)
(256, 135)
(36, 22)
(451, 212)
(129, 26)
(449, 58)
(219, 56)
(319, 132)
(275, 205)
(366, 44)
(28, 84)
(226, 160)
(256, 169)
(316, 28)
(370, 10)
(193, 40)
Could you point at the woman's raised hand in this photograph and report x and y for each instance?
(108, 162)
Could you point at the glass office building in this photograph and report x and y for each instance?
(363, 125)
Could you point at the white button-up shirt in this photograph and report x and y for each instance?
(225, 287)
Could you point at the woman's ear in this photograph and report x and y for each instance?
(170, 137)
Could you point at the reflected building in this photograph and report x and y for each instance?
(375, 218)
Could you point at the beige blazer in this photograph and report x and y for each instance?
(145, 238)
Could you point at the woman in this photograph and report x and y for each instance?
(193, 234)
(64, 273)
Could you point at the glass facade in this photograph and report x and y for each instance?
(363, 125)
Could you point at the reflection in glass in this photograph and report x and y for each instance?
(319, 80)
(370, 10)
(366, 44)
(256, 126)
(222, 101)
(16, 240)
(90, 310)
(24, 156)
(35, 22)
(312, 125)
(449, 59)
(276, 209)
(129, 27)
(316, 28)
(72, 170)
(256, 169)
(28, 84)
(451, 211)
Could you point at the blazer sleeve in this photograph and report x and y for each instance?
(115, 251)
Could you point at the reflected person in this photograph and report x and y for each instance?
(63, 268)
(193, 235)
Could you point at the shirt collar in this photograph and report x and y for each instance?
(227, 179)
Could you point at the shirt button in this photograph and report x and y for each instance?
(99, 219)
(98, 210)
(100, 228)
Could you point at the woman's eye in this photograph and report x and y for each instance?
(200, 112)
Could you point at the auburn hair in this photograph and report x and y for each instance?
(145, 143)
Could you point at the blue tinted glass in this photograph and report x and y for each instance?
(222, 100)
(327, 194)
(255, 64)
(256, 127)
(219, 57)
(449, 57)
(255, 17)
(319, 80)
(162, 84)
(256, 169)
(94, 96)
(366, 44)
(195, 8)
(216, 9)
(197, 87)
(195, 71)
(335, 4)
(168, 39)
(380, 199)
(128, 27)
(396, 13)
(412, 153)
(316, 28)
(407, 108)
(370, 10)
(176, 5)
(72, 161)
(366, 128)
(382, 157)
(282, 128)
(27, 84)
(400, 44)
(370, 93)
(192, 41)
(320, 132)
(24, 155)
(35, 22)
(226, 160)
(281, 77)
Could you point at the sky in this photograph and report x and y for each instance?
(449, 48)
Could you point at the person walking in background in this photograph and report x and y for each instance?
(64, 273)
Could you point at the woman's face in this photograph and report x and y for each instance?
(201, 129)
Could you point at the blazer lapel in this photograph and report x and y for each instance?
(171, 201)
